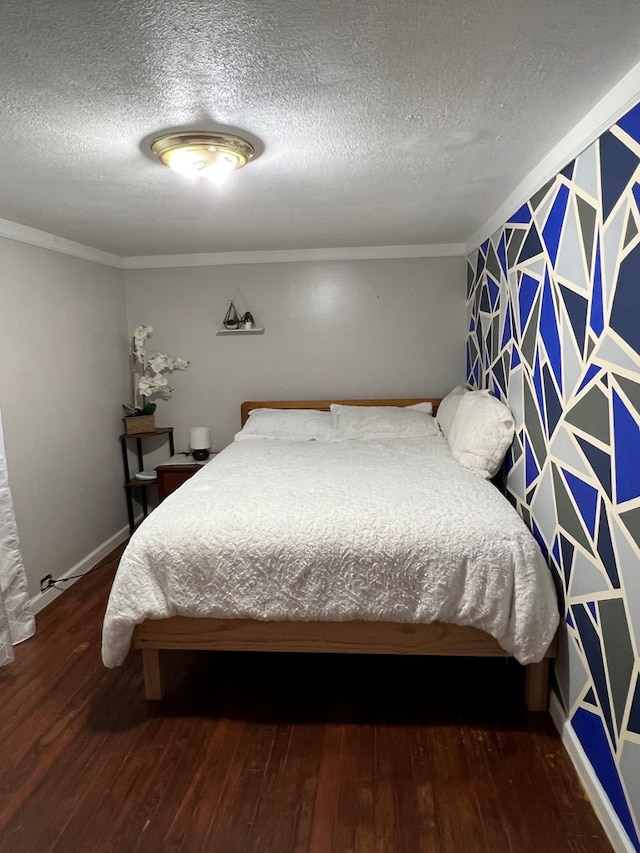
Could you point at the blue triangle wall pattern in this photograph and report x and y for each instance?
(568, 333)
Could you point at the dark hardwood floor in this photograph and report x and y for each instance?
(258, 753)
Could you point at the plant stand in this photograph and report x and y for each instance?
(132, 483)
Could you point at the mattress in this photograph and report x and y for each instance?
(388, 530)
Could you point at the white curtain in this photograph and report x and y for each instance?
(16, 620)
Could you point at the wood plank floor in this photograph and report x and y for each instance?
(265, 753)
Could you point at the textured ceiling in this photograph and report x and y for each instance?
(378, 122)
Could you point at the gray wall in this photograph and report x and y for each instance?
(63, 374)
(343, 328)
(352, 328)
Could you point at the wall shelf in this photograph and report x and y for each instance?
(256, 331)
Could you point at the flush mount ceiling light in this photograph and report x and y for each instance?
(203, 154)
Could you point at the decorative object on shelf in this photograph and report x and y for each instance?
(134, 424)
(231, 318)
(148, 380)
(203, 154)
(247, 320)
(145, 475)
(200, 442)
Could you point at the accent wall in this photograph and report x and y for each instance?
(554, 330)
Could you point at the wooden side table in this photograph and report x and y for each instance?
(176, 471)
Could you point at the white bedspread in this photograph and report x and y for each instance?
(379, 530)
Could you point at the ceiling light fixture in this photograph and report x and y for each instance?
(203, 154)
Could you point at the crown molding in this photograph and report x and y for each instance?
(624, 95)
(44, 240)
(288, 256)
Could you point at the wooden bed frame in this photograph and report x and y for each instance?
(156, 635)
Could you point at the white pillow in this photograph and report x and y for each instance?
(447, 408)
(381, 422)
(287, 424)
(481, 433)
(427, 408)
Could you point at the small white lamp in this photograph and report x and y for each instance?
(200, 442)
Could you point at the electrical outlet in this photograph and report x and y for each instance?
(46, 582)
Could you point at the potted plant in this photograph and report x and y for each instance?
(148, 379)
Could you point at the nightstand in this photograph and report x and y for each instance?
(176, 471)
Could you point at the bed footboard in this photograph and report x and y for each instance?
(436, 638)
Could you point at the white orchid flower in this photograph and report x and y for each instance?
(145, 387)
(149, 385)
(160, 387)
(149, 379)
(142, 333)
(157, 383)
(160, 362)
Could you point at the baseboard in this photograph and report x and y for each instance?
(599, 800)
(39, 601)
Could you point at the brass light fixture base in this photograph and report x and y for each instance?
(197, 153)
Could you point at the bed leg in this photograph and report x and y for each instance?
(154, 686)
(536, 685)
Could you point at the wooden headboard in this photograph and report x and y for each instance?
(324, 405)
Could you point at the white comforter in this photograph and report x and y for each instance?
(379, 530)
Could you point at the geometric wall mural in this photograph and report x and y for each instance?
(554, 331)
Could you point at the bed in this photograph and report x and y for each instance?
(334, 499)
